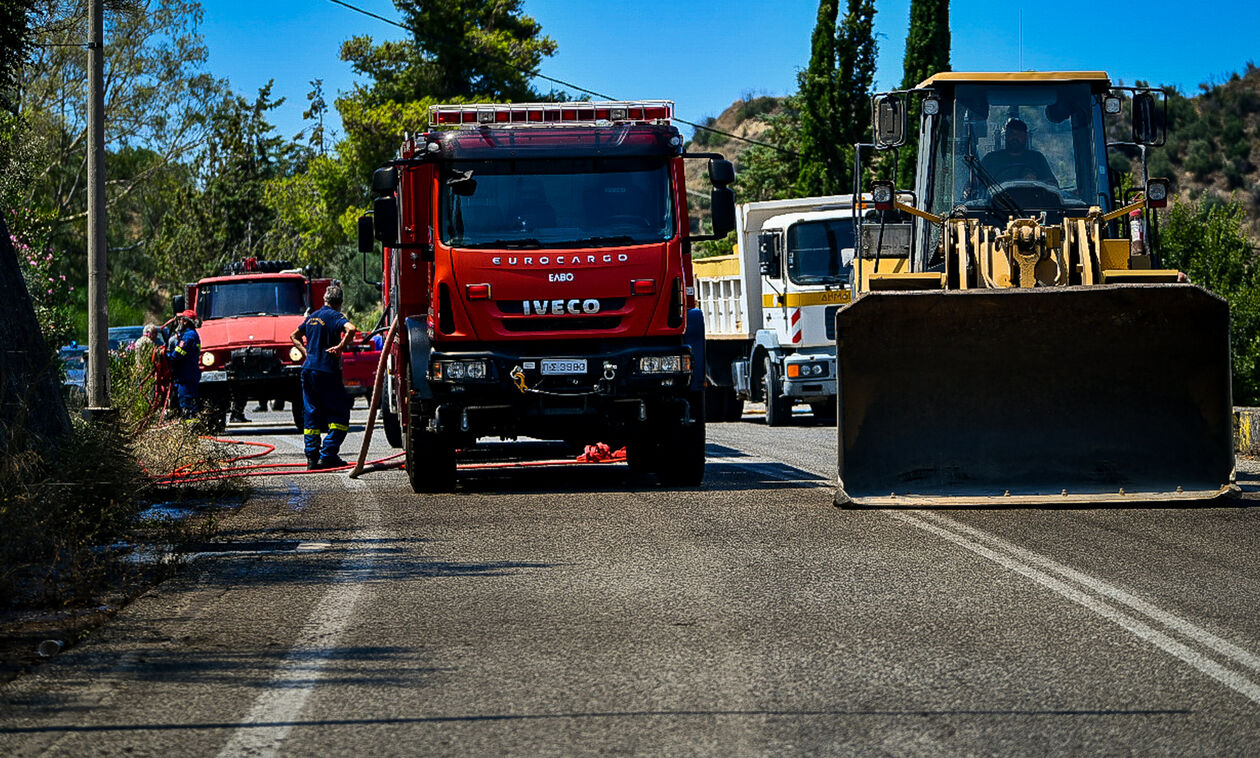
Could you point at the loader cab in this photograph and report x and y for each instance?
(1054, 164)
(1002, 148)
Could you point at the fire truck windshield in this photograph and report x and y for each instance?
(275, 297)
(565, 203)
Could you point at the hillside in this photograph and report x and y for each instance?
(1213, 147)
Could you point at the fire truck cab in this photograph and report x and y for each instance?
(539, 258)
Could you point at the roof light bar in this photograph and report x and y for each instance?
(551, 114)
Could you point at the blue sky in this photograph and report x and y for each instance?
(706, 55)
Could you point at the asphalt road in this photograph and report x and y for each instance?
(577, 610)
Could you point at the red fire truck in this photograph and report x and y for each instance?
(246, 317)
(540, 258)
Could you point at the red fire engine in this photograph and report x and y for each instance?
(246, 317)
(539, 256)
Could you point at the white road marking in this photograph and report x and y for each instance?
(1232, 679)
(1022, 561)
(1176, 623)
(282, 701)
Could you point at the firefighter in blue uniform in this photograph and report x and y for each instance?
(184, 352)
(326, 404)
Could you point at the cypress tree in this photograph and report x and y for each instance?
(856, 51)
(927, 53)
(834, 95)
(818, 109)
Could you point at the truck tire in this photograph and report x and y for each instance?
(214, 411)
(778, 409)
(392, 427)
(430, 458)
(680, 455)
(824, 410)
(722, 404)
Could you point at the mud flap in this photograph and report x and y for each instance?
(1083, 394)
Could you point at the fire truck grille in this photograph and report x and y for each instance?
(562, 324)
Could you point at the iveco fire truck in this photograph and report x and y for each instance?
(246, 316)
(539, 258)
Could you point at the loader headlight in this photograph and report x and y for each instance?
(882, 195)
(1157, 193)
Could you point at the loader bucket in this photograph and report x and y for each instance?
(1116, 393)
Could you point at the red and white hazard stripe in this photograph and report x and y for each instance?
(795, 325)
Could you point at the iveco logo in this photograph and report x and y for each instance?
(557, 260)
(559, 307)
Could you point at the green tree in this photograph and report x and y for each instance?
(1208, 241)
(927, 53)
(765, 173)
(820, 150)
(222, 214)
(459, 51)
(835, 96)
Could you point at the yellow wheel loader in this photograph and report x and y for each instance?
(1012, 338)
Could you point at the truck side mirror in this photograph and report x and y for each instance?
(384, 179)
(889, 117)
(367, 235)
(768, 253)
(721, 172)
(385, 220)
(1145, 130)
(179, 304)
(722, 207)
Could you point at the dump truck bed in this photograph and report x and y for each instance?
(1034, 397)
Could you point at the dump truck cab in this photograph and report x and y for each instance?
(1013, 338)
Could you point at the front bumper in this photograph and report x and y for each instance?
(808, 384)
(517, 397)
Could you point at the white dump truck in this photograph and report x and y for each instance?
(769, 309)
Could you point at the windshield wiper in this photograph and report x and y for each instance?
(528, 242)
(620, 239)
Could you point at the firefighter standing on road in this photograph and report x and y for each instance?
(184, 353)
(326, 404)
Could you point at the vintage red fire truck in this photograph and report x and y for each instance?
(539, 256)
(246, 317)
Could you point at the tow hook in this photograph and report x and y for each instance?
(610, 371)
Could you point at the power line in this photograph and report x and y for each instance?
(570, 85)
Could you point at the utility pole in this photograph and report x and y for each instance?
(98, 309)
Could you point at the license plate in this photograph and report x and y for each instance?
(556, 366)
(214, 376)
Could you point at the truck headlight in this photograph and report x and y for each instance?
(207, 358)
(454, 371)
(665, 364)
(295, 355)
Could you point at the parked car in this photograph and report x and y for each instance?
(122, 336)
(74, 371)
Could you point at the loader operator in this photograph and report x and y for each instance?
(326, 406)
(1015, 162)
